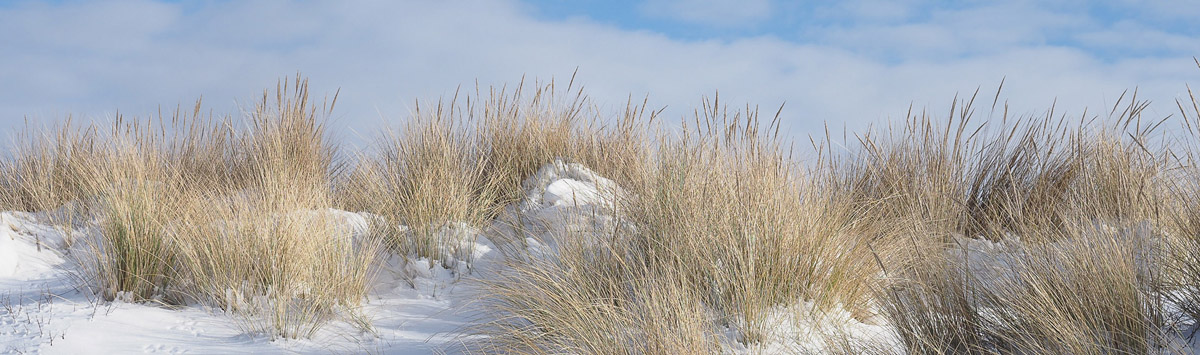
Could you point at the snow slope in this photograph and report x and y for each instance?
(416, 306)
(43, 308)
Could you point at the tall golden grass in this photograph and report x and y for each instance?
(424, 178)
(195, 209)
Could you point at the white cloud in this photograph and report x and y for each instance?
(947, 33)
(385, 54)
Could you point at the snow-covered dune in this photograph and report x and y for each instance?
(417, 306)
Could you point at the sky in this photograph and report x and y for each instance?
(847, 63)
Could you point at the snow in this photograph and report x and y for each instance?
(26, 249)
(9, 256)
(570, 192)
(802, 328)
(563, 184)
(562, 199)
(416, 306)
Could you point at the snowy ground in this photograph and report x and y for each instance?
(416, 306)
(44, 310)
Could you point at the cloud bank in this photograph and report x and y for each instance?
(852, 63)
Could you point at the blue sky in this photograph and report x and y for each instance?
(851, 63)
(818, 21)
